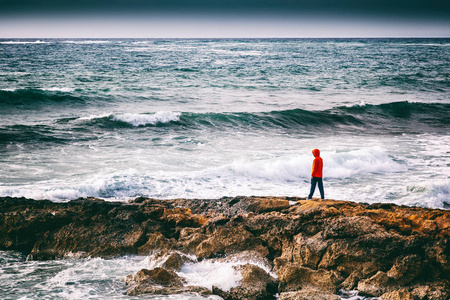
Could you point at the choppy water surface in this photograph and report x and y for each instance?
(118, 119)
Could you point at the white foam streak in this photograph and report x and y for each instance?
(220, 272)
(59, 89)
(93, 117)
(210, 273)
(360, 162)
(337, 165)
(367, 174)
(138, 119)
(148, 119)
(87, 42)
(95, 278)
(23, 42)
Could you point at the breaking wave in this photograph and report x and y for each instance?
(395, 118)
(391, 118)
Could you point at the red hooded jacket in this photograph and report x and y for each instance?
(317, 164)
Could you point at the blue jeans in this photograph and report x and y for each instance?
(314, 181)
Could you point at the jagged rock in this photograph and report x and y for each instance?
(266, 205)
(365, 270)
(434, 291)
(155, 281)
(155, 241)
(438, 252)
(308, 294)
(376, 285)
(158, 290)
(401, 294)
(293, 277)
(159, 276)
(308, 251)
(405, 269)
(183, 217)
(190, 240)
(256, 284)
(209, 248)
(175, 261)
(326, 245)
(169, 260)
(228, 240)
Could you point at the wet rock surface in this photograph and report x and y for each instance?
(315, 248)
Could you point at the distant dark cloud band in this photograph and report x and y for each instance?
(410, 8)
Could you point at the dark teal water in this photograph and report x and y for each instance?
(209, 118)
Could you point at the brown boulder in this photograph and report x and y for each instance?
(308, 251)
(155, 241)
(405, 269)
(159, 281)
(228, 240)
(167, 290)
(376, 285)
(401, 294)
(209, 248)
(308, 294)
(256, 284)
(159, 276)
(293, 277)
(261, 205)
(363, 271)
(439, 290)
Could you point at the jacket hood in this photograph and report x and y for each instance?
(316, 152)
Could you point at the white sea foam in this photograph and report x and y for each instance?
(148, 119)
(50, 89)
(9, 89)
(94, 278)
(137, 119)
(93, 117)
(361, 162)
(86, 42)
(23, 42)
(139, 49)
(59, 89)
(221, 272)
(286, 175)
(435, 195)
(338, 165)
(425, 44)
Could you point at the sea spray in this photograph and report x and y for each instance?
(286, 171)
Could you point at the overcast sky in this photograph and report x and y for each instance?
(223, 18)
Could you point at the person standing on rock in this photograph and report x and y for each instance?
(316, 175)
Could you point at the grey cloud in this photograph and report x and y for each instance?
(411, 8)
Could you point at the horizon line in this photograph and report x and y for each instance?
(224, 38)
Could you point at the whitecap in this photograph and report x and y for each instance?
(59, 89)
(93, 117)
(23, 42)
(84, 42)
(148, 119)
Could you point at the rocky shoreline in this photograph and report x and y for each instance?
(313, 248)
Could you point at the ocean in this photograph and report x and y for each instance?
(207, 118)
